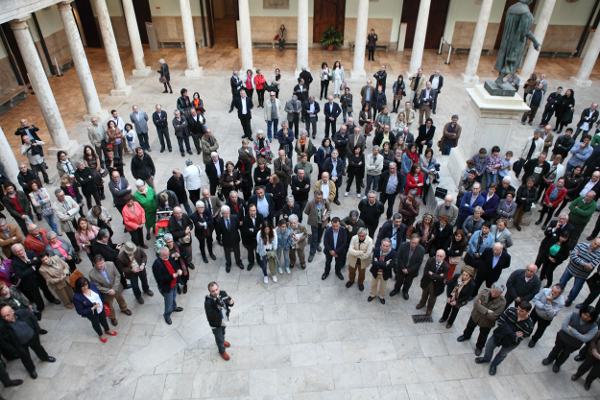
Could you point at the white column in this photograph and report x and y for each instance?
(40, 84)
(360, 41)
(540, 32)
(7, 157)
(191, 51)
(86, 81)
(419, 43)
(134, 38)
(470, 74)
(302, 35)
(112, 52)
(583, 76)
(245, 37)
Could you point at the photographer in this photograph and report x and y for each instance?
(216, 307)
(35, 155)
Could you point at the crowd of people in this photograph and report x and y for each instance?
(279, 201)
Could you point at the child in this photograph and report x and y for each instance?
(470, 168)
(492, 166)
(480, 163)
(505, 165)
(130, 136)
(284, 241)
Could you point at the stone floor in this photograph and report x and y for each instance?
(301, 338)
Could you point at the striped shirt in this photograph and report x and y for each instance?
(581, 255)
(511, 317)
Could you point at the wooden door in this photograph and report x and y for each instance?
(88, 23)
(328, 13)
(436, 22)
(501, 29)
(142, 15)
(14, 49)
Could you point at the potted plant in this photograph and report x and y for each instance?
(332, 38)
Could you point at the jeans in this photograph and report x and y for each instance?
(446, 150)
(317, 235)
(170, 301)
(181, 140)
(163, 134)
(372, 182)
(283, 254)
(274, 124)
(566, 277)
(143, 277)
(345, 111)
(52, 222)
(301, 206)
(219, 338)
(504, 350)
(402, 183)
(98, 322)
(489, 178)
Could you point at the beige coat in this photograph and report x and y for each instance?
(66, 216)
(53, 274)
(362, 251)
(207, 148)
(103, 286)
(332, 189)
(6, 242)
(301, 230)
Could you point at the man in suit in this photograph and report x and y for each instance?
(335, 247)
(426, 134)
(432, 282)
(311, 111)
(67, 211)
(102, 245)
(166, 272)
(212, 205)
(493, 261)
(140, 121)
(9, 235)
(282, 167)
(229, 226)
(468, 203)
(394, 230)
(307, 78)
(301, 91)
(159, 117)
(437, 81)
(410, 258)
(106, 278)
(97, 138)
(335, 167)
(236, 86)
(357, 139)
(331, 110)
(553, 99)
(251, 225)
(417, 84)
(389, 187)
(366, 93)
(214, 168)
(522, 284)
(119, 188)
(534, 100)
(340, 141)
(25, 265)
(272, 114)
(23, 211)
(318, 211)
(427, 99)
(134, 271)
(293, 108)
(383, 263)
(407, 136)
(264, 204)
(196, 123)
(505, 187)
(182, 133)
(589, 116)
(300, 190)
(236, 205)
(244, 108)
(381, 77)
(176, 184)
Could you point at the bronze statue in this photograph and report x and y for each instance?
(517, 30)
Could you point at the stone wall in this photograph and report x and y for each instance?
(265, 29)
(7, 77)
(120, 29)
(463, 34)
(383, 28)
(169, 27)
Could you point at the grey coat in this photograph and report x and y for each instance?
(503, 212)
(181, 127)
(66, 247)
(119, 194)
(140, 121)
(290, 106)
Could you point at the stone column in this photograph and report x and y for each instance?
(7, 157)
(419, 43)
(86, 81)
(583, 76)
(245, 36)
(134, 38)
(191, 51)
(470, 74)
(40, 84)
(540, 32)
(302, 35)
(112, 52)
(360, 41)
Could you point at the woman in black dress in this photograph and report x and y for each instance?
(356, 169)
(459, 291)
(564, 110)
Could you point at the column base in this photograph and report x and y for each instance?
(194, 73)
(121, 92)
(469, 78)
(580, 82)
(71, 148)
(142, 72)
(102, 115)
(358, 74)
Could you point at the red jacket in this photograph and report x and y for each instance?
(562, 192)
(259, 82)
(132, 220)
(411, 183)
(33, 243)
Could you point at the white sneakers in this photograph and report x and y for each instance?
(288, 270)
(358, 195)
(279, 270)
(274, 278)
(346, 194)
(265, 279)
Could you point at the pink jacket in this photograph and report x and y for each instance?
(133, 219)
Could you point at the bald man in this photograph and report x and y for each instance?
(522, 284)
(493, 260)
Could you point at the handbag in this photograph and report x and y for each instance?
(440, 193)
(107, 310)
(368, 128)
(454, 259)
(162, 79)
(187, 239)
(276, 37)
(76, 258)
(510, 223)
(74, 276)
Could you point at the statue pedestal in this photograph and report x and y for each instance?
(490, 122)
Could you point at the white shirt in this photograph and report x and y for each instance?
(586, 125)
(120, 123)
(218, 167)
(191, 175)
(94, 298)
(587, 188)
(435, 82)
(262, 206)
(334, 170)
(325, 189)
(244, 110)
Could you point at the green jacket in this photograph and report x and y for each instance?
(355, 227)
(581, 213)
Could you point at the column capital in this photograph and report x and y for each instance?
(65, 5)
(20, 23)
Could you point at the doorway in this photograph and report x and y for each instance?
(88, 23)
(501, 29)
(14, 49)
(331, 13)
(142, 15)
(436, 22)
(222, 17)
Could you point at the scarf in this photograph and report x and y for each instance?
(143, 191)
(554, 194)
(507, 204)
(302, 142)
(459, 285)
(69, 167)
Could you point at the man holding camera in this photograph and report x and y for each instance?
(216, 307)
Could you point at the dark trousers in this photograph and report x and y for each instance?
(88, 199)
(4, 378)
(371, 54)
(100, 151)
(435, 99)
(329, 124)
(163, 135)
(547, 271)
(340, 260)
(98, 322)
(235, 247)
(324, 87)
(73, 240)
(579, 228)
(301, 206)
(182, 140)
(317, 235)
(542, 324)
(548, 211)
(311, 122)
(260, 93)
(359, 180)
(168, 83)
(596, 228)
(36, 346)
(39, 168)
(137, 236)
(246, 126)
(219, 333)
(403, 281)
(479, 279)
(204, 243)
(450, 313)
(578, 131)
(142, 276)
(530, 114)
(391, 199)
(34, 296)
(483, 333)
(561, 351)
(372, 228)
(194, 196)
(591, 297)
(547, 116)
(293, 124)
(590, 362)
(196, 138)
(338, 185)
(44, 287)
(143, 139)
(252, 254)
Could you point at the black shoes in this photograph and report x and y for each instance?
(228, 269)
(51, 360)
(568, 303)
(149, 292)
(33, 374)
(555, 368)
(478, 351)
(213, 256)
(336, 201)
(43, 332)
(140, 300)
(339, 275)
(191, 266)
(168, 320)
(241, 265)
(310, 258)
(578, 358)
(406, 296)
(204, 259)
(480, 360)
(589, 238)
(393, 293)
(532, 343)
(15, 382)
(547, 361)
(178, 309)
(148, 237)
(382, 301)
(538, 222)
(461, 338)
(324, 276)
(492, 369)
(56, 301)
(370, 299)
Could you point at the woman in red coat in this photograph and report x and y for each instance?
(259, 84)
(134, 219)
(555, 194)
(414, 180)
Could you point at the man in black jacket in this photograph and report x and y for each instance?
(196, 124)
(167, 272)
(236, 86)
(176, 184)
(589, 116)
(236, 205)
(26, 266)
(370, 210)
(307, 78)
(264, 204)
(394, 230)
(505, 187)
(311, 110)
(229, 228)
(331, 110)
(564, 144)
(493, 260)
(142, 167)
(426, 134)
(410, 258)
(161, 122)
(340, 141)
(180, 226)
(300, 190)
(522, 284)
(335, 166)
(109, 251)
(389, 187)
(19, 331)
(251, 225)
(537, 168)
(214, 168)
(553, 99)
(244, 108)
(216, 308)
(29, 130)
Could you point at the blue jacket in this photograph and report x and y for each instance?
(285, 140)
(82, 304)
(342, 242)
(465, 209)
(406, 164)
(284, 240)
(488, 243)
(580, 155)
(332, 113)
(490, 206)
